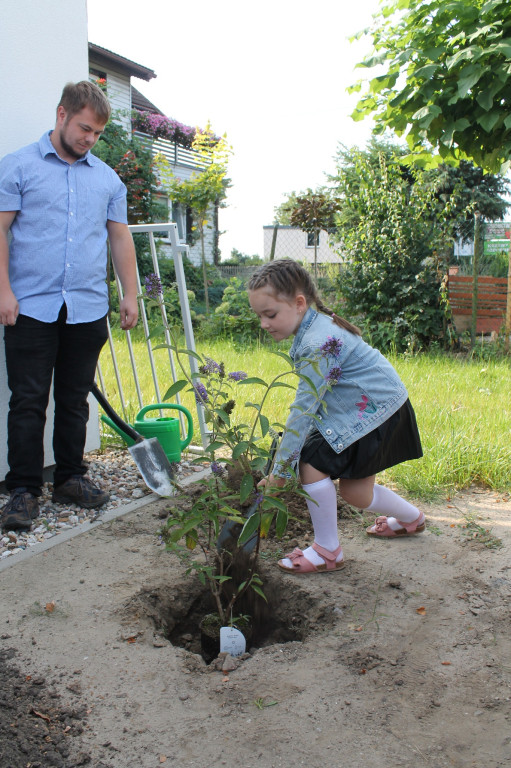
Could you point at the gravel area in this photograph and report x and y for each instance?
(113, 470)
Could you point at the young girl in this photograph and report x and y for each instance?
(363, 424)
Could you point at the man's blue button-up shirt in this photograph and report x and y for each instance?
(59, 236)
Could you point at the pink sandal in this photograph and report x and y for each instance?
(381, 527)
(302, 565)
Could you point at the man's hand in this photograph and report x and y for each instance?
(124, 259)
(9, 307)
(128, 309)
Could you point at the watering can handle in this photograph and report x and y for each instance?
(174, 406)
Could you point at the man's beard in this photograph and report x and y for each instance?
(69, 149)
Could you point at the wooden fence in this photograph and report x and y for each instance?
(491, 302)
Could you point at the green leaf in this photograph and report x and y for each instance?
(311, 384)
(281, 523)
(176, 387)
(485, 99)
(266, 521)
(283, 355)
(465, 54)
(265, 424)
(159, 330)
(270, 502)
(239, 449)
(215, 445)
(281, 384)
(427, 114)
(246, 487)
(424, 73)
(223, 416)
(260, 592)
(250, 527)
(489, 121)
(253, 380)
(190, 353)
(470, 78)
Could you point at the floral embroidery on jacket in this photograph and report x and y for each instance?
(365, 407)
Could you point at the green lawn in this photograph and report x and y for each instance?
(463, 410)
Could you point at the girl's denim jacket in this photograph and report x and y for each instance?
(360, 397)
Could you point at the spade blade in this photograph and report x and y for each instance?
(154, 466)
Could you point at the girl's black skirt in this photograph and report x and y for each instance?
(393, 442)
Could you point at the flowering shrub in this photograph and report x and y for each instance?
(162, 127)
(135, 166)
(239, 456)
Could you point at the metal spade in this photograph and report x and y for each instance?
(147, 453)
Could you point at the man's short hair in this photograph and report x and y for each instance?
(77, 96)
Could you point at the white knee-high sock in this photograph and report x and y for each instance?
(386, 502)
(323, 511)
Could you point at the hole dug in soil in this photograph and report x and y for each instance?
(175, 611)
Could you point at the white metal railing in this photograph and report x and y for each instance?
(169, 230)
(175, 153)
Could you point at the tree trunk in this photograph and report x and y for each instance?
(204, 270)
(274, 242)
(475, 275)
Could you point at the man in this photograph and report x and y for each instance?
(60, 204)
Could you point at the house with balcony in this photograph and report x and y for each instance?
(163, 135)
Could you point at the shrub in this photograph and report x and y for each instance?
(234, 316)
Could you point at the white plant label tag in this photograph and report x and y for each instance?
(232, 641)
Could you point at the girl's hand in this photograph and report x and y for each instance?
(274, 480)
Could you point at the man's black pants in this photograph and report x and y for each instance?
(34, 352)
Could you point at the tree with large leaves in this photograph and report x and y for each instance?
(204, 190)
(444, 78)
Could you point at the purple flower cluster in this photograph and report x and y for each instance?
(217, 468)
(333, 376)
(210, 366)
(331, 347)
(258, 498)
(162, 127)
(201, 394)
(153, 286)
(237, 375)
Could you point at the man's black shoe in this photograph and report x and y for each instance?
(20, 510)
(81, 491)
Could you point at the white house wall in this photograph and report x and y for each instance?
(38, 57)
(292, 244)
(119, 96)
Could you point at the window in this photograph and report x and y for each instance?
(96, 74)
(186, 230)
(311, 237)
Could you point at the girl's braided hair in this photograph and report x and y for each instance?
(288, 278)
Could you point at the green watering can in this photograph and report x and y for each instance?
(165, 428)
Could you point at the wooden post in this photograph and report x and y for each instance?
(274, 241)
(507, 327)
(475, 271)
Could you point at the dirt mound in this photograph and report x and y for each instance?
(401, 659)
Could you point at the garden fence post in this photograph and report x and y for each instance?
(507, 327)
(475, 271)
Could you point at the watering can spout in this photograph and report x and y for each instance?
(127, 439)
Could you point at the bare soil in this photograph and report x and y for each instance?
(401, 659)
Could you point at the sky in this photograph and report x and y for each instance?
(271, 75)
